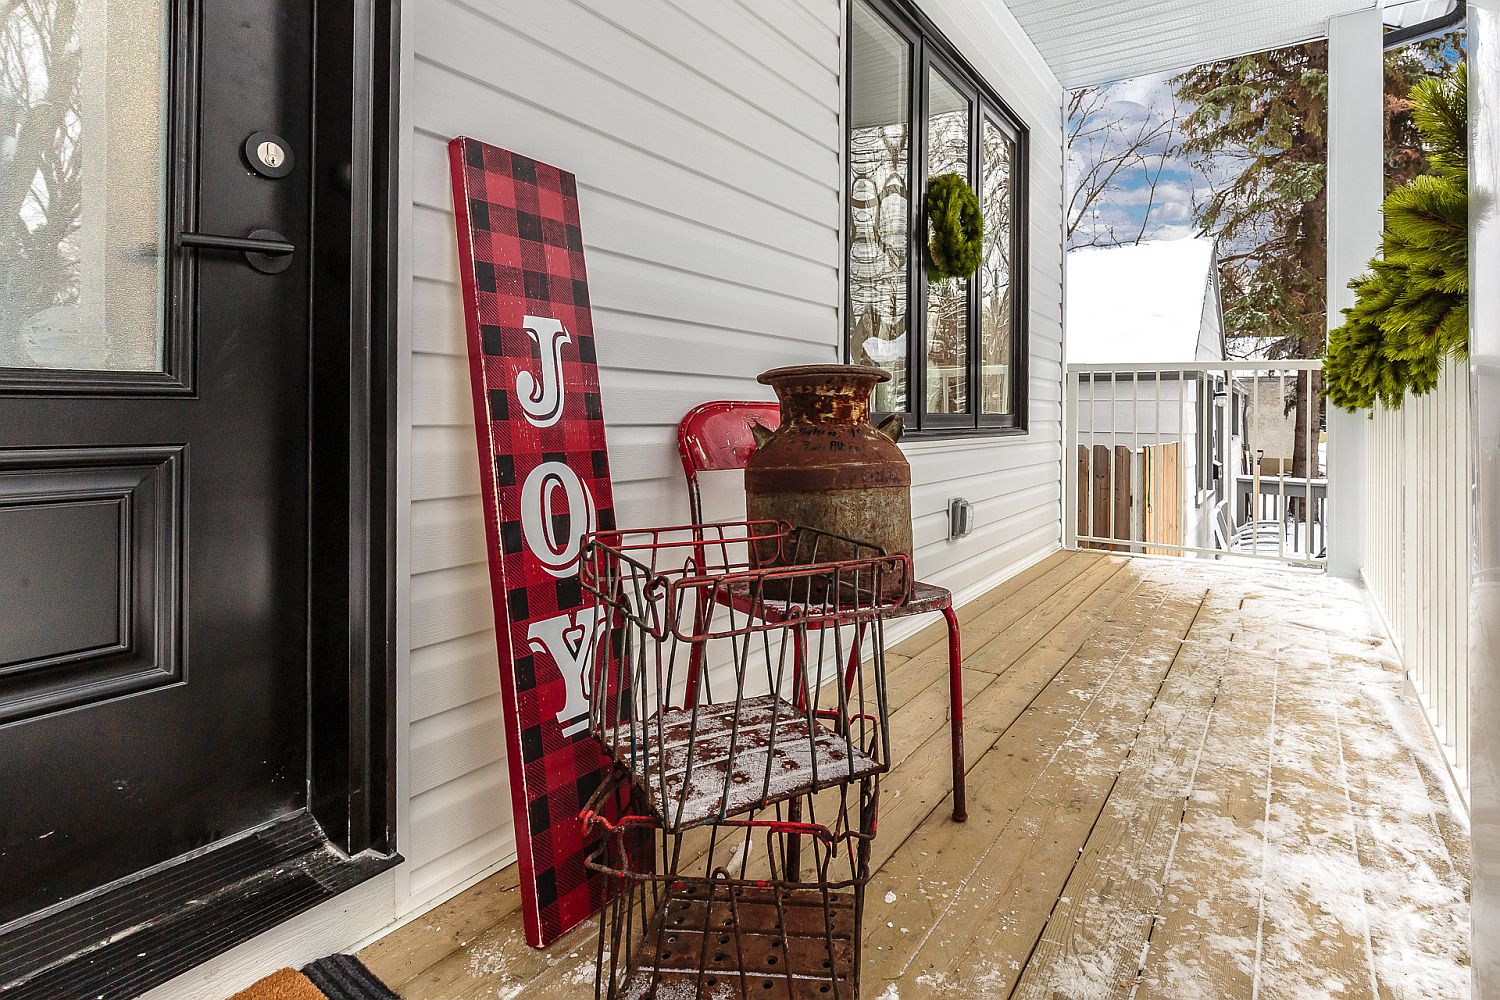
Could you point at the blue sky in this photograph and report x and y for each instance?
(1111, 120)
(1112, 117)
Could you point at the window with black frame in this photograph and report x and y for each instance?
(955, 348)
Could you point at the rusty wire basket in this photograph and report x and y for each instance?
(737, 665)
(766, 905)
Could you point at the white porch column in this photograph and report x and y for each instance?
(1484, 387)
(1356, 187)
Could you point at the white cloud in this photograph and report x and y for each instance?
(1127, 209)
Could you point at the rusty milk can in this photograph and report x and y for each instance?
(827, 466)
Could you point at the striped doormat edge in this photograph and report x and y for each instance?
(337, 977)
(344, 977)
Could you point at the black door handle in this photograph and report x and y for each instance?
(265, 249)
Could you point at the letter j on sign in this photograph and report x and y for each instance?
(545, 482)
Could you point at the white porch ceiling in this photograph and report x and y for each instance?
(1101, 41)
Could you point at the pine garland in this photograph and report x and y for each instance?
(955, 228)
(1411, 311)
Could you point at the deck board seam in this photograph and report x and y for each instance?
(1265, 829)
(1104, 803)
(1035, 781)
(1187, 797)
(1344, 785)
(972, 760)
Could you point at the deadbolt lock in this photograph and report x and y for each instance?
(268, 154)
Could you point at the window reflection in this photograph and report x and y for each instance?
(916, 111)
(948, 128)
(880, 202)
(997, 155)
(82, 130)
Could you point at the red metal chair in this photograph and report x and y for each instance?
(717, 437)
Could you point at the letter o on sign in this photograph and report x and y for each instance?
(554, 489)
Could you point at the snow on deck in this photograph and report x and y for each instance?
(1185, 781)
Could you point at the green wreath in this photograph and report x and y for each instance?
(955, 228)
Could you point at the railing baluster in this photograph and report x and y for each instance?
(1137, 467)
(1281, 476)
(1114, 392)
(1312, 469)
(1156, 440)
(1182, 450)
(1254, 513)
(1093, 420)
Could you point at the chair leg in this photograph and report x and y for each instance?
(793, 871)
(956, 711)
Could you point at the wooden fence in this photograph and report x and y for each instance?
(1131, 495)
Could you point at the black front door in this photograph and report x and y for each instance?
(154, 437)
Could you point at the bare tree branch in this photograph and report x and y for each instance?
(1107, 144)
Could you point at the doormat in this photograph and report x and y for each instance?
(337, 977)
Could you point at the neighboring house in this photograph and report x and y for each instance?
(1273, 423)
(1153, 303)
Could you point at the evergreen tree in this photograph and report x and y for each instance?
(1260, 124)
(1411, 310)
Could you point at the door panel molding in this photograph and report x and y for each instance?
(105, 524)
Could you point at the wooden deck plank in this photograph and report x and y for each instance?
(1203, 942)
(1101, 923)
(923, 668)
(921, 776)
(990, 883)
(1411, 877)
(1315, 930)
(921, 789)
(1118, 842)
(1030, 587)
(400, 957)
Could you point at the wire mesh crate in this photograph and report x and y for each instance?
(739, 664)
(766, 905)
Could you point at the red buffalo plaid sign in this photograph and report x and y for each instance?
(540, 428)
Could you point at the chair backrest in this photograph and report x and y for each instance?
(717, 437)
(1223, 526)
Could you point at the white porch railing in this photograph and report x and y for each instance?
(1418, 471)
(1214, 459)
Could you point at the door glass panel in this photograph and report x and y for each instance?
(880, 202)
(948, 127)
(82, 133)
(997, 158)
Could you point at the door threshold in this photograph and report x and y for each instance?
(121, 942)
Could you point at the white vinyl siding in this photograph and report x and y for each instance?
(706, 139)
